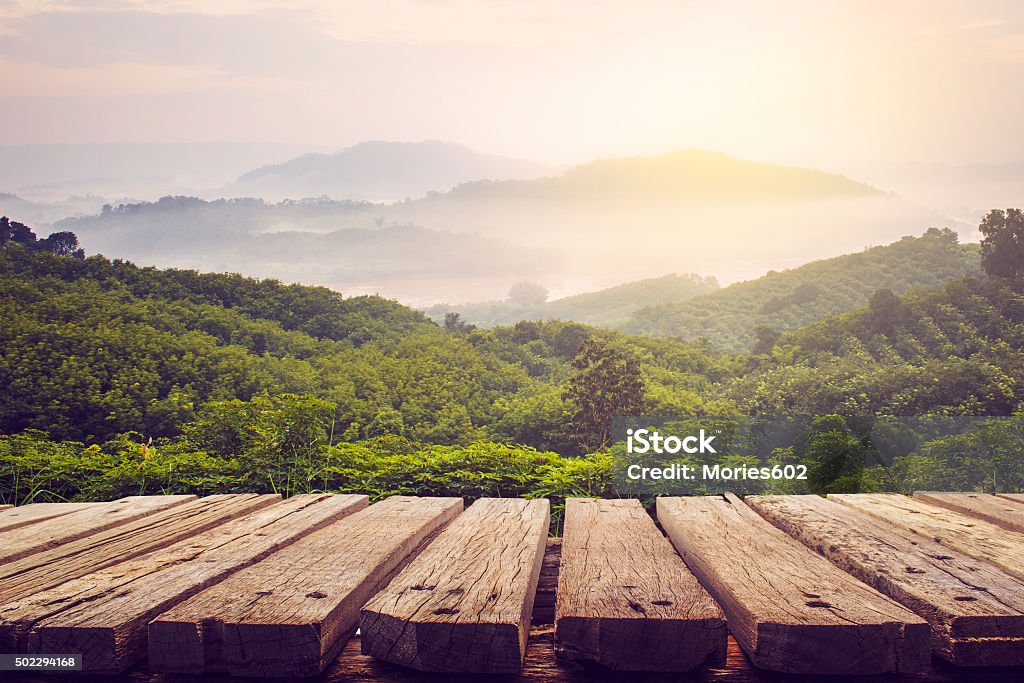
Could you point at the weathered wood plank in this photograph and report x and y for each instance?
(625, 598)
(24, 541)
(103, 615)
(790, 609)
(971, 536)
(49, 568)
(290, 614)
(978, 505)
(464, 604)
(976, 612)
(23, 515)
(1013, 497)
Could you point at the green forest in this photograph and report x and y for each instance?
(117, 379)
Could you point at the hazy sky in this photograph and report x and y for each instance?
(557, 80)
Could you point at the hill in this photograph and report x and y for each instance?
(683, 176)
(380, 171)
(607, 308)
(146, 381)
(627, 219)
(955, 349)
(92, 348)
(783, 301)
(593, 227)
(301, 242)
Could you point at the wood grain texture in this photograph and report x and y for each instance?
(790, 609)
(464, 604)
(16, 517)
(971, 536)
(290, 614)
(625, 598)
(1002, 513)
(542, 666)
(975, 611)
(1012, 497)
(51, 533)
(103, 615)
(50, 568)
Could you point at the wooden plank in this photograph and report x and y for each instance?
(625, 598)
(973, 537)
(975, 611)
(50, 568)
(103, 615)
(1012, 497)
(1007, 515)
(15, 517)
(291, 614)
(24, 541)
(790, 609)
(464, 604)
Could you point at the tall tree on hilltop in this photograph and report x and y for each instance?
(1002, 243)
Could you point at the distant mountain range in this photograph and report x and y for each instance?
(141, 170)
(594, 226)
(380, 171)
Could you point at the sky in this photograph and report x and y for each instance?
(812, 82)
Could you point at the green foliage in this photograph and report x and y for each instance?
(835, 458)
(60, 243)
(141, 380)
(1002, 243)
(955, 350)
(607, 383)
(36, 469)
(730, 317)
(608, 307)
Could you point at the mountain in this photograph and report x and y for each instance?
(595, 226)
(618, 220)
(299, 242)
(783, 301)
(608, 307)
(143, 170)
(380, 171)
(683, 176)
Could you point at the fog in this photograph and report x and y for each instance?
(118, 104)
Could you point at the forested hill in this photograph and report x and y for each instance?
(147, 381)
(750, 315)
(92, 348)
(957, 349)
(606, 307)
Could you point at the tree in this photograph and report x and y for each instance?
(834, 457)
(62, 244)
(1002, 243)
(607, 383)
(527, 294)
(13, 231)
(884, 311)
(454, 323)
(765, 337)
